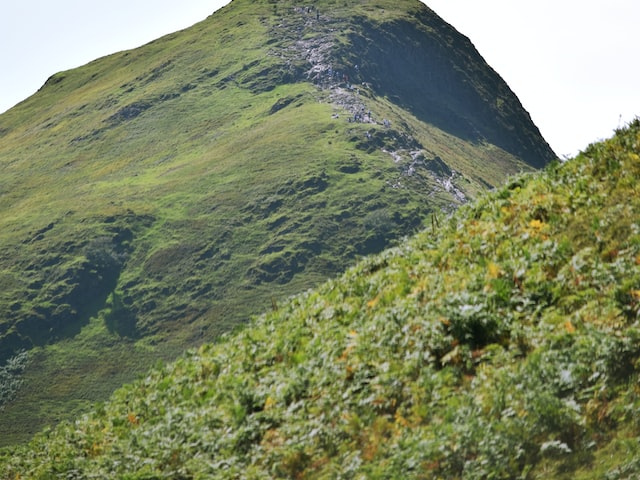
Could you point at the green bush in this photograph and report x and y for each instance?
(10, 376)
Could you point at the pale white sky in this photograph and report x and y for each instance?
(573, 63)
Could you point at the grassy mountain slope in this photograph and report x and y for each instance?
(155, 198)
(503, 342)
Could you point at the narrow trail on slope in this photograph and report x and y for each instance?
(309, 42)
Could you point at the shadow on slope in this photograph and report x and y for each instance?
(433, 71)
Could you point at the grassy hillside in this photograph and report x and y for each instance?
(502, 342)
(155, 198)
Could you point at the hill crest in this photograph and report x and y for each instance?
(157, 197)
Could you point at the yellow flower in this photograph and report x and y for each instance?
(269, 403)
(400, 420)
(493, 270)
(536, 224)
(372, 303)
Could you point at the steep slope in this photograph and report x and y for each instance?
(502, 343)
(157, 197)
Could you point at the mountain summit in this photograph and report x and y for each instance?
(157, 197)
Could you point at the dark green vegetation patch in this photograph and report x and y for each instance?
(503, 342)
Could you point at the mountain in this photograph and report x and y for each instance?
(158, 197)
(503, 342)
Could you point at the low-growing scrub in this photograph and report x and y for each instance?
(174, 190)
(503, 342)
(11, 376)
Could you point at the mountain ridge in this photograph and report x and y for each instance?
(156, 197)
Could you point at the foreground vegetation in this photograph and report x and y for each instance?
(155, 198)
(503, 342)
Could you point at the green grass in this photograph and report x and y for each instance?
(156, 198)
(500, 343)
